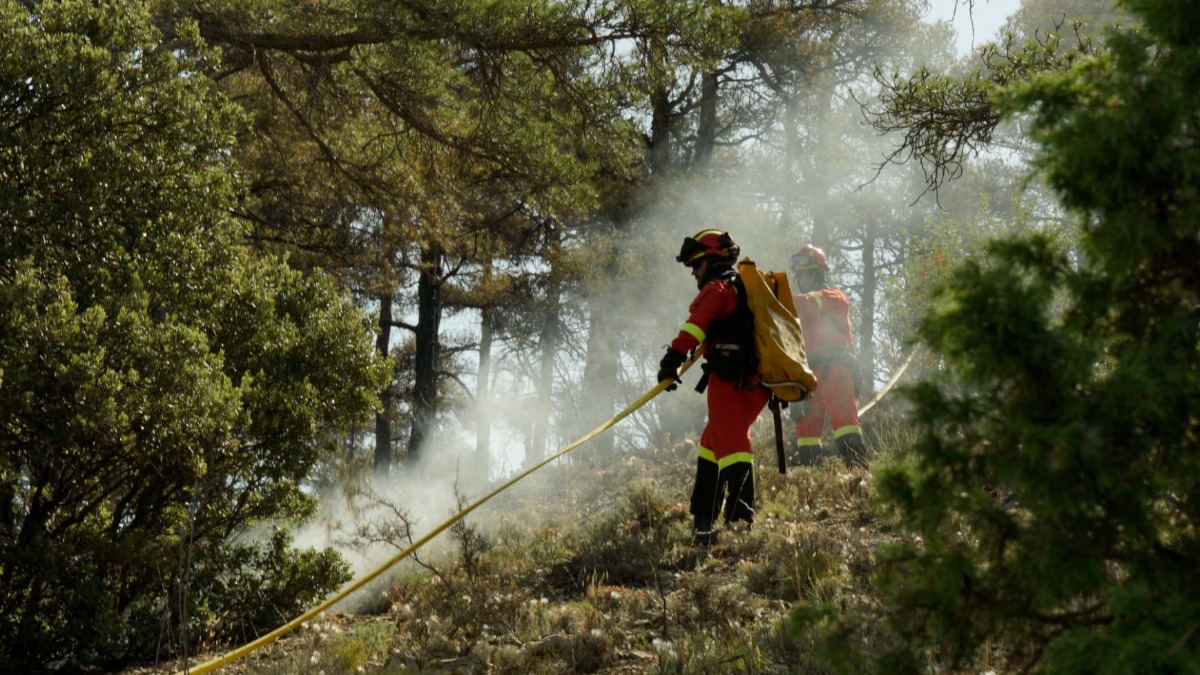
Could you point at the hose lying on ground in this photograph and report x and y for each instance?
(229, 657)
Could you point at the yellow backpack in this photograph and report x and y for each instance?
(778, 339)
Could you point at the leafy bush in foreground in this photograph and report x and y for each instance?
(161, 389)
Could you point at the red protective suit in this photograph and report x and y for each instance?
(825, 318)
(724, 469)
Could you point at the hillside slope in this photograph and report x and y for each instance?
(592, 570)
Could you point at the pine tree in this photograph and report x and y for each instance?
(1053, 496)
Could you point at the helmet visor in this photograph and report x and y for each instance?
(802, 261)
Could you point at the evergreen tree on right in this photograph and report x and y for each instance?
(1051, 504)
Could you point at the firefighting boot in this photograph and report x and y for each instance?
(807, 455)
(705, 533)
(853, 450)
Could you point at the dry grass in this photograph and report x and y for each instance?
(577, 576)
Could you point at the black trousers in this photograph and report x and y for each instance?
(729, 491)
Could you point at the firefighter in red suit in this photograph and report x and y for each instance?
(829, 343)
(720, 320)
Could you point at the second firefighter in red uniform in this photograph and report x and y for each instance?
(824, 315)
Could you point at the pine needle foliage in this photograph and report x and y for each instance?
(1054, 488)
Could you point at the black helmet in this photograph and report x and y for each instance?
(713, 244)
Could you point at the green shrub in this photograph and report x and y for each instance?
(254, 588)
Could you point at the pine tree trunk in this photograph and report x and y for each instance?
(866, 325)
(818, 182)
(387, 398)
(706, 133)
(428, 346)
(662, 114)
(599, 394)
(483, 407)
(545, 384)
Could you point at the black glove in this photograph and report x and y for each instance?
(668, 368)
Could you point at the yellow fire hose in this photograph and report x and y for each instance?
(229, 657)
(888, 387)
